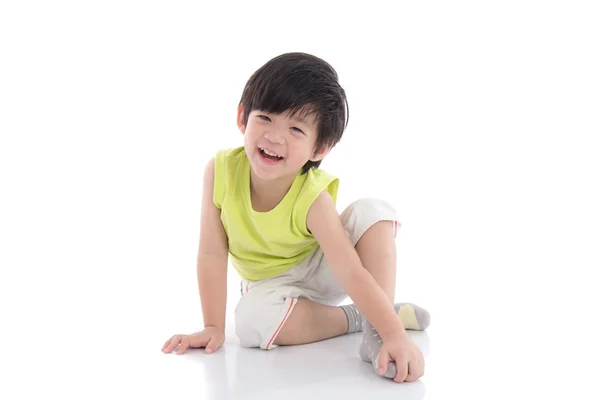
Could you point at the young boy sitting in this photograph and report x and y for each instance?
(269, 206)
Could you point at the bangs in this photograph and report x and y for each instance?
(294, 94)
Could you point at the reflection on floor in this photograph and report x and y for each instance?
(326, 369)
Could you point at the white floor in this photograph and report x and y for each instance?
(104, 341)
(320, 370)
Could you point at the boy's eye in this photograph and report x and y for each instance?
(264, 118)
(297, 129)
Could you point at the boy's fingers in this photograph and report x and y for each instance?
(211, 346)
(412, 376)
(167, 348)
(401, 370)
(185, 343)
(383, 360)
(415, 371)
(174, 342)
(167, 343)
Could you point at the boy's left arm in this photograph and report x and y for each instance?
(325, 224)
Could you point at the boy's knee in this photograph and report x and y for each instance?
(258, 319)
(364, 213)
(247, 334)
(368, 205)
(246, 325)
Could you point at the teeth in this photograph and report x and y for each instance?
(269, 153)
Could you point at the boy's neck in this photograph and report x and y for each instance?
(266, 195)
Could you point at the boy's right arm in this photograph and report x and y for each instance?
(212, 275)
(212, 256)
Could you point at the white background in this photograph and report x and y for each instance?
(478, 121)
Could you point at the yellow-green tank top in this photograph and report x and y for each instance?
(265, 244)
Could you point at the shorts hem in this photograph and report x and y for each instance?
(273, 332)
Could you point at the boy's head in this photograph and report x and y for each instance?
(292, 106)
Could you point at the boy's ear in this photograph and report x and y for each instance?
(320, 155)
(240, 119)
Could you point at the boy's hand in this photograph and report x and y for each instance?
(211, 337)
(410, 364)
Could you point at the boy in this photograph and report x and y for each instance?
(269, 206)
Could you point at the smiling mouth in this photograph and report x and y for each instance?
(269, 155)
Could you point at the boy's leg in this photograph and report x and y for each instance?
(263, 321)
(377, 252)
(312, 322)
(371, 225)
(266, 315)
(296, 307)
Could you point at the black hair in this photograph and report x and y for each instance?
(300, 83)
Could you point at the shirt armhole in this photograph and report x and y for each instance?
(219, 186)
(329, 183)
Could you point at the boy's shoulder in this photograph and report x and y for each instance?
(229, 159)
(319, 175)
(318, 180)
(231, 152)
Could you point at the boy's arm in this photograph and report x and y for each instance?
(325, 224)
(212, 256)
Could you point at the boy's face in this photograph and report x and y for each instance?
(278, 145)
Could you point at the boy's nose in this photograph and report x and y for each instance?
(274, 137)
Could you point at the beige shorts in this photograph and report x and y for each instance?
(266, 305)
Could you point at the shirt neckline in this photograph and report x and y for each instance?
(248, 197)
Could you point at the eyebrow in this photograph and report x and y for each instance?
(300, 120)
